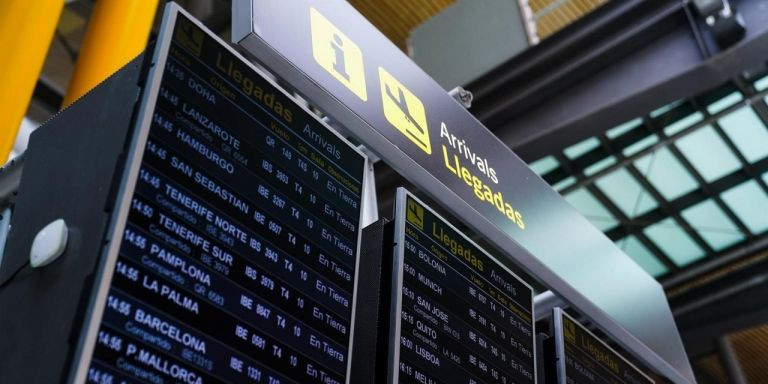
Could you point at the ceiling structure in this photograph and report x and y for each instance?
(550, 16)
(680, 185)
(396, 18)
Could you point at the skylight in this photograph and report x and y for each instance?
(708, 154)
(682, 124)
(624, 128)
(581, 148)
(643, 187)
(722, 104)
(750, 204)
(675, 243)
(712, 225)
(626, 192)
(666, 174)
(747, 132)
(544, 165)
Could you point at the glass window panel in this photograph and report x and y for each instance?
(626, 193)
(642, 256)
(725, 102)
(581, 148)
(747, 132)
(599, 166)
(660, 111)
(674, 242)
(708, 154)
(544, 165)
(713, 225)
(685, 122)
(640, 145)
(762, 84)
(750, 204)
(590, 207)
(666, 174)
(623, 128)
(565, 183)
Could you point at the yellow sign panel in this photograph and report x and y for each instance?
(337, 54)
(415, 214)
(191, 37)
(569, 331)
(404, 110)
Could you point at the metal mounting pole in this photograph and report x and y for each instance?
(730, 361)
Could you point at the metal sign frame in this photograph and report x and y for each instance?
(252, 18)
(114, 236)
(557, 320)
(396, 297)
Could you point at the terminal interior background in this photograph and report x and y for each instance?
(649, 121)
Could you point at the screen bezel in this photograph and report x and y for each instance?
(138, 139)
(558, 314)
(398, 259)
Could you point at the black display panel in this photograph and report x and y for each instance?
(238, 257)
(582, 358)
(459, 315)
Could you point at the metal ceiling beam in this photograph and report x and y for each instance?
(714, 263)
(596, 40)
(736, 307)
(579, 85)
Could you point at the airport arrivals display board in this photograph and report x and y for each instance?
(582, 358)
(237, 249)
(352, 72)
(458, 315)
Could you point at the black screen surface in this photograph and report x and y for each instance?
(464, 317)
(238, 258)
(588, 360)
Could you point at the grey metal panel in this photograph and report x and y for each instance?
(116, 223)
(73, 163)
(467, 39)
(559, 246)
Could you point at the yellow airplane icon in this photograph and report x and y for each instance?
(404, 110)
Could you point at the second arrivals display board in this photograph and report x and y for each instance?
(238, 249)
(582, 358)
(458, 315)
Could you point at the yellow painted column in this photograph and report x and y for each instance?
(117, 31)
(26, 30)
